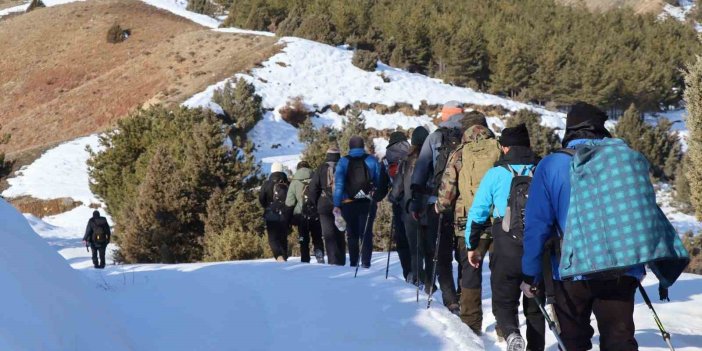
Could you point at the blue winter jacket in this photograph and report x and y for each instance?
(547, 213)
(493, 192)
(340, 174)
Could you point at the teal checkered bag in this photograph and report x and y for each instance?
(614, 221)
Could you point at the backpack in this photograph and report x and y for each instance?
(359, 183)
(309, 210)
(450, 140)
(276, 210)
(328, 186)
(477, 157)
(100, 236)
(513, 220)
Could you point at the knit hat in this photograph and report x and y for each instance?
(585, 121)
(451, 108)
(356, 142)
(397, 137)
(333, 150)
(419, 135)
(474, 118)
(515, 136)
(302, 164)
(96, 214)
(276, 167)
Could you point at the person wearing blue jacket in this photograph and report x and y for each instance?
(609, 296)
(491, 199)
(356, 180)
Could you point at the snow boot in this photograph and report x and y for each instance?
(515, 342)
(280, 259)
(319, 254)
(455, 309)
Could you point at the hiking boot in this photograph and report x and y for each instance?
(515, 342)
(500, 334)
(319, 254)
(455, 309)
(280, 259)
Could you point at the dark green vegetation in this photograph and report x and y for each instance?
(5, 165)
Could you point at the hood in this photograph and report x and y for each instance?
(302, 174)
(477, 133)
(397, 151)
(585, 130)
(278, 176)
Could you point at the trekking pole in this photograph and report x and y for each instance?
(664, 333)
(416, 279)
(551, 323)
(86, 247)
(436, 259)
(387, 266)
(363, 236)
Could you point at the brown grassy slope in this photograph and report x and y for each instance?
(6, 4)
(639, 6)
(61, 79)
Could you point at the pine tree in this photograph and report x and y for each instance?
(693, 99)
(354, 125)
(201, 6)
(35, 4)
(466, 61)
(682, 186)
(316, 142)
(241, 105)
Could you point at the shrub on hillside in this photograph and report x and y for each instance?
(294, 112)
(5, 165)
(241, 105)
(543, 139)
(318, 27)
(682, 187)
(316, 141)
(354, 125)
(204, 7)
(693, 100)
(693, 244)
(365, 60)
(116, 34)
(35, 4)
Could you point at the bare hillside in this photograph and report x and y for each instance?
(639, 6)
(61, 79)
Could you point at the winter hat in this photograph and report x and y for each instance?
(419, 135)
(302, 164)
(450, 109)
(333, 150)
(585, 121)
(356, 142)
(96, 214)
(276, 167)
(474, 118)
(397, 137)
(515, 136)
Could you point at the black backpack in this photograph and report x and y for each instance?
(276, 210)
(309, 210)
(100, 236)
(450, 140)
(513, 221)
(359, 183)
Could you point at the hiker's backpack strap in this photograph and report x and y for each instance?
(552, 247)
(567, 151)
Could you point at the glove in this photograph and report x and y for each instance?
(528, 290)
(416, 203)
(663, 293)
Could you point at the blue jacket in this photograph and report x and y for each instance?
(493, 192)
(547, 213)
(340, 174)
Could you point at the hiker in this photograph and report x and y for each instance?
(614, 205)
(418, 241)
(397, 149)
(321, 195)
(503, 193)
(305, 216)
(426, 178)
(465, 168)
(98, 235)
(272, 198)
(357, 175)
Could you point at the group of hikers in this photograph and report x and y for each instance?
(571, 233)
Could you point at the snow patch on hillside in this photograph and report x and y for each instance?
(681, 221)
(680, 12)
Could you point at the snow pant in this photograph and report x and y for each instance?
(419, 249)
(401, 243)
(357, 214)
(305, 228)
(505, 279)
(334, 240)
(611, 300)
(278, 238)
(471, 283)
(444, 262)
(95, 250)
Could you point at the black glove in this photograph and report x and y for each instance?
(416, 203)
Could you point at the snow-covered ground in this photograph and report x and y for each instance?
(681, 12)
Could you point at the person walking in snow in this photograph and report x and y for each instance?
(98, 235)
(356, 178)
(305, 217)
(502, 191)
(321, 197)
(272, 198)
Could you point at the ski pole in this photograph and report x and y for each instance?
(416, 272)
(392, 231)
(363, 236)
(436, 259)
(664, 333)
(550, 322)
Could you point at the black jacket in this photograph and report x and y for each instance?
(321, 197)
(93, 224)
(265, 197)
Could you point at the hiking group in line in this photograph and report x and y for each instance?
(572, 233)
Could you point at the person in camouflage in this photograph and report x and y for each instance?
(465, 168)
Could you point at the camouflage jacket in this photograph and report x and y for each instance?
(458, 185)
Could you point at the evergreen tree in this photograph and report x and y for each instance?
(466, 62)
(682, 187)
(35, 4)
(693, 99)
(5, 165)
(241, 105)
(543, 139)
(201, 6)
(316, 141)
(354, 125)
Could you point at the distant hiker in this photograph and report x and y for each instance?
(502, 194)
(98, 235)
(419, 242)
(305, 215)
(600, 206)
(426, 179)
(465, 168)
(272, 198)
(321, 196)
(357, 175)
(397, 149)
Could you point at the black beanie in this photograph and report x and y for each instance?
(356, 142)
(397, 137)
(96, 214)
(419, 135)
(515, 136)
(582, 112)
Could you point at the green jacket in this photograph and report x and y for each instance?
(297, 189)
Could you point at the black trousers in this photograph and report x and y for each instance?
(612, 302)
(401, 243)
(305, 228)
(444, 264)
(419, 247)
(95, 250)
(359, 215)
(278, 238)
(505, 278)
(334, 240)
